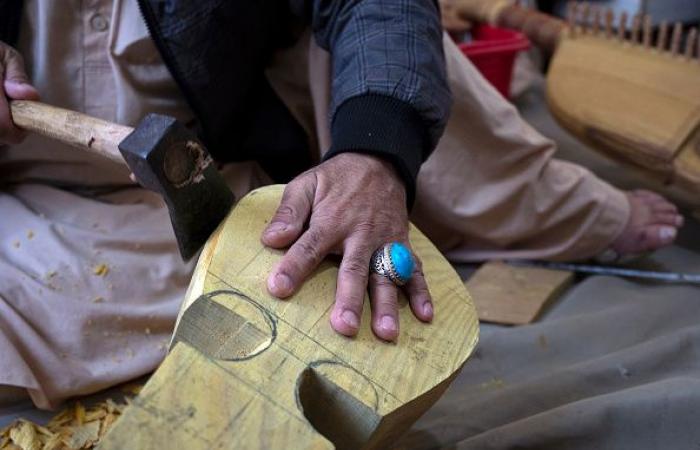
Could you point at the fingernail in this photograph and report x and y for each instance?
(282, 284)
(679, 221)
(667, 234)
(276, 227)
(350, 319)
(388, 323)
(427, 309)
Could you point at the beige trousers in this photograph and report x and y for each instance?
(490, 190)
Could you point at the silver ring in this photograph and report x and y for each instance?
(394, 261)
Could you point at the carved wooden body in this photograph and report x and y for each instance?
(632, 102)
(247, 370)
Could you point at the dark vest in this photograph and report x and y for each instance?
(217, 50)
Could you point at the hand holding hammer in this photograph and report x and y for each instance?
(163, 155)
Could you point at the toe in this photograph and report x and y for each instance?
(657, 236)
(666, 218)
(663, 206)
(643, 193)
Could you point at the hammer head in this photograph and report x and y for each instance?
(167, 158)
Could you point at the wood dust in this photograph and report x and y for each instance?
(100, 270)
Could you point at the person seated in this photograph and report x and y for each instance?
(352, 112)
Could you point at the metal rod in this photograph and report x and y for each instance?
(616, 271)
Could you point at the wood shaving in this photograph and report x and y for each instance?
(30, 234)
(16, 244)
(25, 436)
(100, 270)
(98, 300)
(75, 428)
(132, 388)
(84, 436)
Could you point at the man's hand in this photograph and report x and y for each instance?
(14, 84)
(353, 204)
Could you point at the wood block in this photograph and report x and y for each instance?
(247, 370)
(514, 295)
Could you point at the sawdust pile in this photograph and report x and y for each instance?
(74, 428)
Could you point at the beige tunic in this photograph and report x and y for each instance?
(68, 327)
(66, 330)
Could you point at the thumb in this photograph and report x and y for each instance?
(288, 222)
(15, 80)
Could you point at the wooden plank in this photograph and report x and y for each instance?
(514, 295)
(247, 370)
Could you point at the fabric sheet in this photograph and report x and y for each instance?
(614, 365)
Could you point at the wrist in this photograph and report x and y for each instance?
(385, 127)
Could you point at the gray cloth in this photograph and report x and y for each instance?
(613, 365)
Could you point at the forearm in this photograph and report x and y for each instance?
(389, 91)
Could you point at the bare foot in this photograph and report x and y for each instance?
(653, 224)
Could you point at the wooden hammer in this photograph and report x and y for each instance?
(163, 155)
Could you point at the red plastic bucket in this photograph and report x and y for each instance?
(493, 50)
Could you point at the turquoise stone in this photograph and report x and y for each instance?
(402, 260)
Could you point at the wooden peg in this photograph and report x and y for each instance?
(585, 16)
(636, 28)
(646, 39)
(698, 47)
(690, 42)
(622, 26)
(662, 41)
(609, 17)
(572, 15)
(596, 19)
(676, 38)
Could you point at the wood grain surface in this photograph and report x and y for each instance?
(76, 129)
(515, 295)
(633, 103)
(247, 370)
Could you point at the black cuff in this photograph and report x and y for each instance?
(382, 126)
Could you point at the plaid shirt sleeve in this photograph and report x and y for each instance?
(389, 90)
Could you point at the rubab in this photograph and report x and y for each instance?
(626, 88)
(246, 370)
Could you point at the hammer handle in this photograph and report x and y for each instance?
(70, 127)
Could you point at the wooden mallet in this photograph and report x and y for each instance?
(163, 155)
